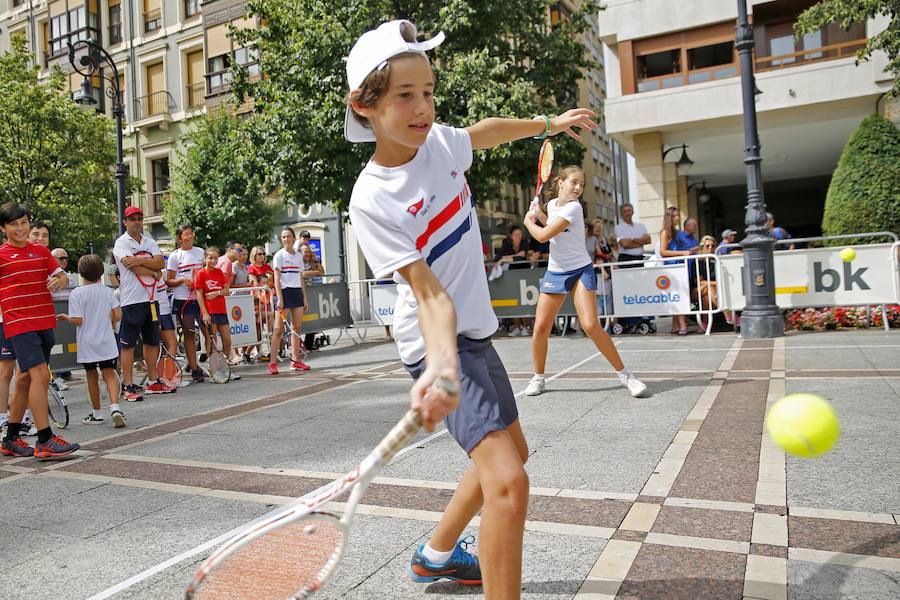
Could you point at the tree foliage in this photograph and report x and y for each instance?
(847, 12)
(500, 58)
(864, 194)
(55, 158)
(216, 188)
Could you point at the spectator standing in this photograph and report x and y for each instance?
(728, 237)
(140, 320)
(182, 265)
(94, 310)
(312, 273)
(28, 275)
(291, 294)
(513, 251)
(777, 233)
(672, 243)
(703, 276)
(62, 257)
(303, 237)
(631, 236)
(211, 285)
(39, 234)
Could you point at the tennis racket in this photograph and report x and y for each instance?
(545, 168)
(56, 406)
(295, 336)
(167, 368)
(149, 282)
(219, 369)
(292, 554)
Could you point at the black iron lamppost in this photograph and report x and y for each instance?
(87, 65)
(760, 318)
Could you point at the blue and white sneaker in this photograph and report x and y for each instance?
(462, 567)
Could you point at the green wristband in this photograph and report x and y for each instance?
(546, 132)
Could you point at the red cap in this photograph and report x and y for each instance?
(133, 210)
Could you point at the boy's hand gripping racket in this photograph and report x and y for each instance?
(545, 168)
(292, 554)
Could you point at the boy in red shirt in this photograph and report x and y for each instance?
(28, 274)
(212, 285)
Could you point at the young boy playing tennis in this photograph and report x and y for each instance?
(28, 274)
(94, 310)
(415, 218)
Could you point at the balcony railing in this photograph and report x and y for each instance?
(153, 105)
(195, 94)
(152, 21)
(686, 78)
(152, 203)
(831, 52)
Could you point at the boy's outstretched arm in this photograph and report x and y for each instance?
(437, 322)
(496, 130)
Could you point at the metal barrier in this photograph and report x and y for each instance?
(818, 277)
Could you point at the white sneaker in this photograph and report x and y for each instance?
(514, 332)
(60, 383)
(536, 386)
(636, 387)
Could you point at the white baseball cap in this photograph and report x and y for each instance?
(372, 51)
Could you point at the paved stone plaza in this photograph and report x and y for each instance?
(679, 495)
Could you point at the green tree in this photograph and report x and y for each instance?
(501, 58)
(216, 188)
(55, 158)
(864, 194)
(847, 12)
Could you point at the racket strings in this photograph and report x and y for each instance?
(282, 564)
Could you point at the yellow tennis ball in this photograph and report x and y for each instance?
(848, 254)
(804, 425)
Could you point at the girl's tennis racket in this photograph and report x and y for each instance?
(545, 167)
(292, 554)
(219, 369)
(296, 338)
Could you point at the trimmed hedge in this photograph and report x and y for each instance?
(864, 194)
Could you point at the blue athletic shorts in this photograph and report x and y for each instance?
(219, 318)
(6, 349)
(137, 323)
(166, 323)
(487, 402)
(293, 297)
(562, 283)
(33, 348)
(188, 313)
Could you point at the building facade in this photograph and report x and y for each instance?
(674, 80)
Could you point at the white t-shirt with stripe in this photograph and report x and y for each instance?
(424, 210)
(291, 265)
(185, 263)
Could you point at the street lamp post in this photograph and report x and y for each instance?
(86, 65)
(760, 318)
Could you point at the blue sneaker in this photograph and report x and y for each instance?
(462, 567)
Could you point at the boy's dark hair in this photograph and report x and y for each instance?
(13, 211)
(373, 88)
(286, 228)
(90, 266)
(39, 225)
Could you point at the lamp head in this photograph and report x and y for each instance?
(85, 94)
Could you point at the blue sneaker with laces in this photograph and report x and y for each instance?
(462, 567)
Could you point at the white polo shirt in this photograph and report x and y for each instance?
(424, 210)
(635, 231)
(130, 289)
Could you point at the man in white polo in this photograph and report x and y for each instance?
(631, 236)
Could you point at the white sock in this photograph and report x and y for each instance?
(4, 418)
(435, 557)
(113, 408)
(98, 414)
(623, 374)
(538, 376)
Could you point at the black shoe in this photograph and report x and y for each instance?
(197, 376)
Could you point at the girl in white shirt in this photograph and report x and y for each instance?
(290, 289)
(570, 270)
